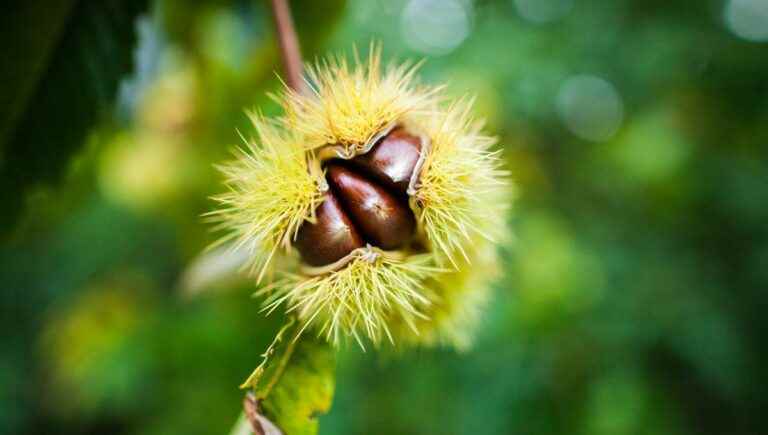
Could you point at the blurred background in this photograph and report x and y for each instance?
(634, 294)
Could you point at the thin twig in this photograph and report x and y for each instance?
(289, 44)
(282, 364)
(260, 424)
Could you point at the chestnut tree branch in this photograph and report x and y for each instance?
(289, 44)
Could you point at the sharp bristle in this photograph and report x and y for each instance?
(351, 103)
(362, 298)
(270, 193)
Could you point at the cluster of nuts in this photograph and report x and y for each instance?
(366, 203)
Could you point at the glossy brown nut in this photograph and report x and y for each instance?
(332, 237)
(381, 217)
(392, 160)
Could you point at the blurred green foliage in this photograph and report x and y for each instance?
(64, 60)
(634, 296)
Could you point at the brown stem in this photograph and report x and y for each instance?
(289, 44)
(259, 424)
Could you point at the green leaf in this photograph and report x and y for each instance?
(28, 35)
(305, 389)
(65, 60)
(294, 384)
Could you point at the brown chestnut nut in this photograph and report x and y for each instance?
(366, 203)
(330, 238)
(392, 160)
(383, 219)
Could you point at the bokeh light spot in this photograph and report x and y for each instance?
(436, 27)
(652, 147)
(748, 19)
(590, 107)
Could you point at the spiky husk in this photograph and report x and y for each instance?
(459, 299)
(462, 192)
(273, 187)
(460, 202)
(348, 105)
(363, 299)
